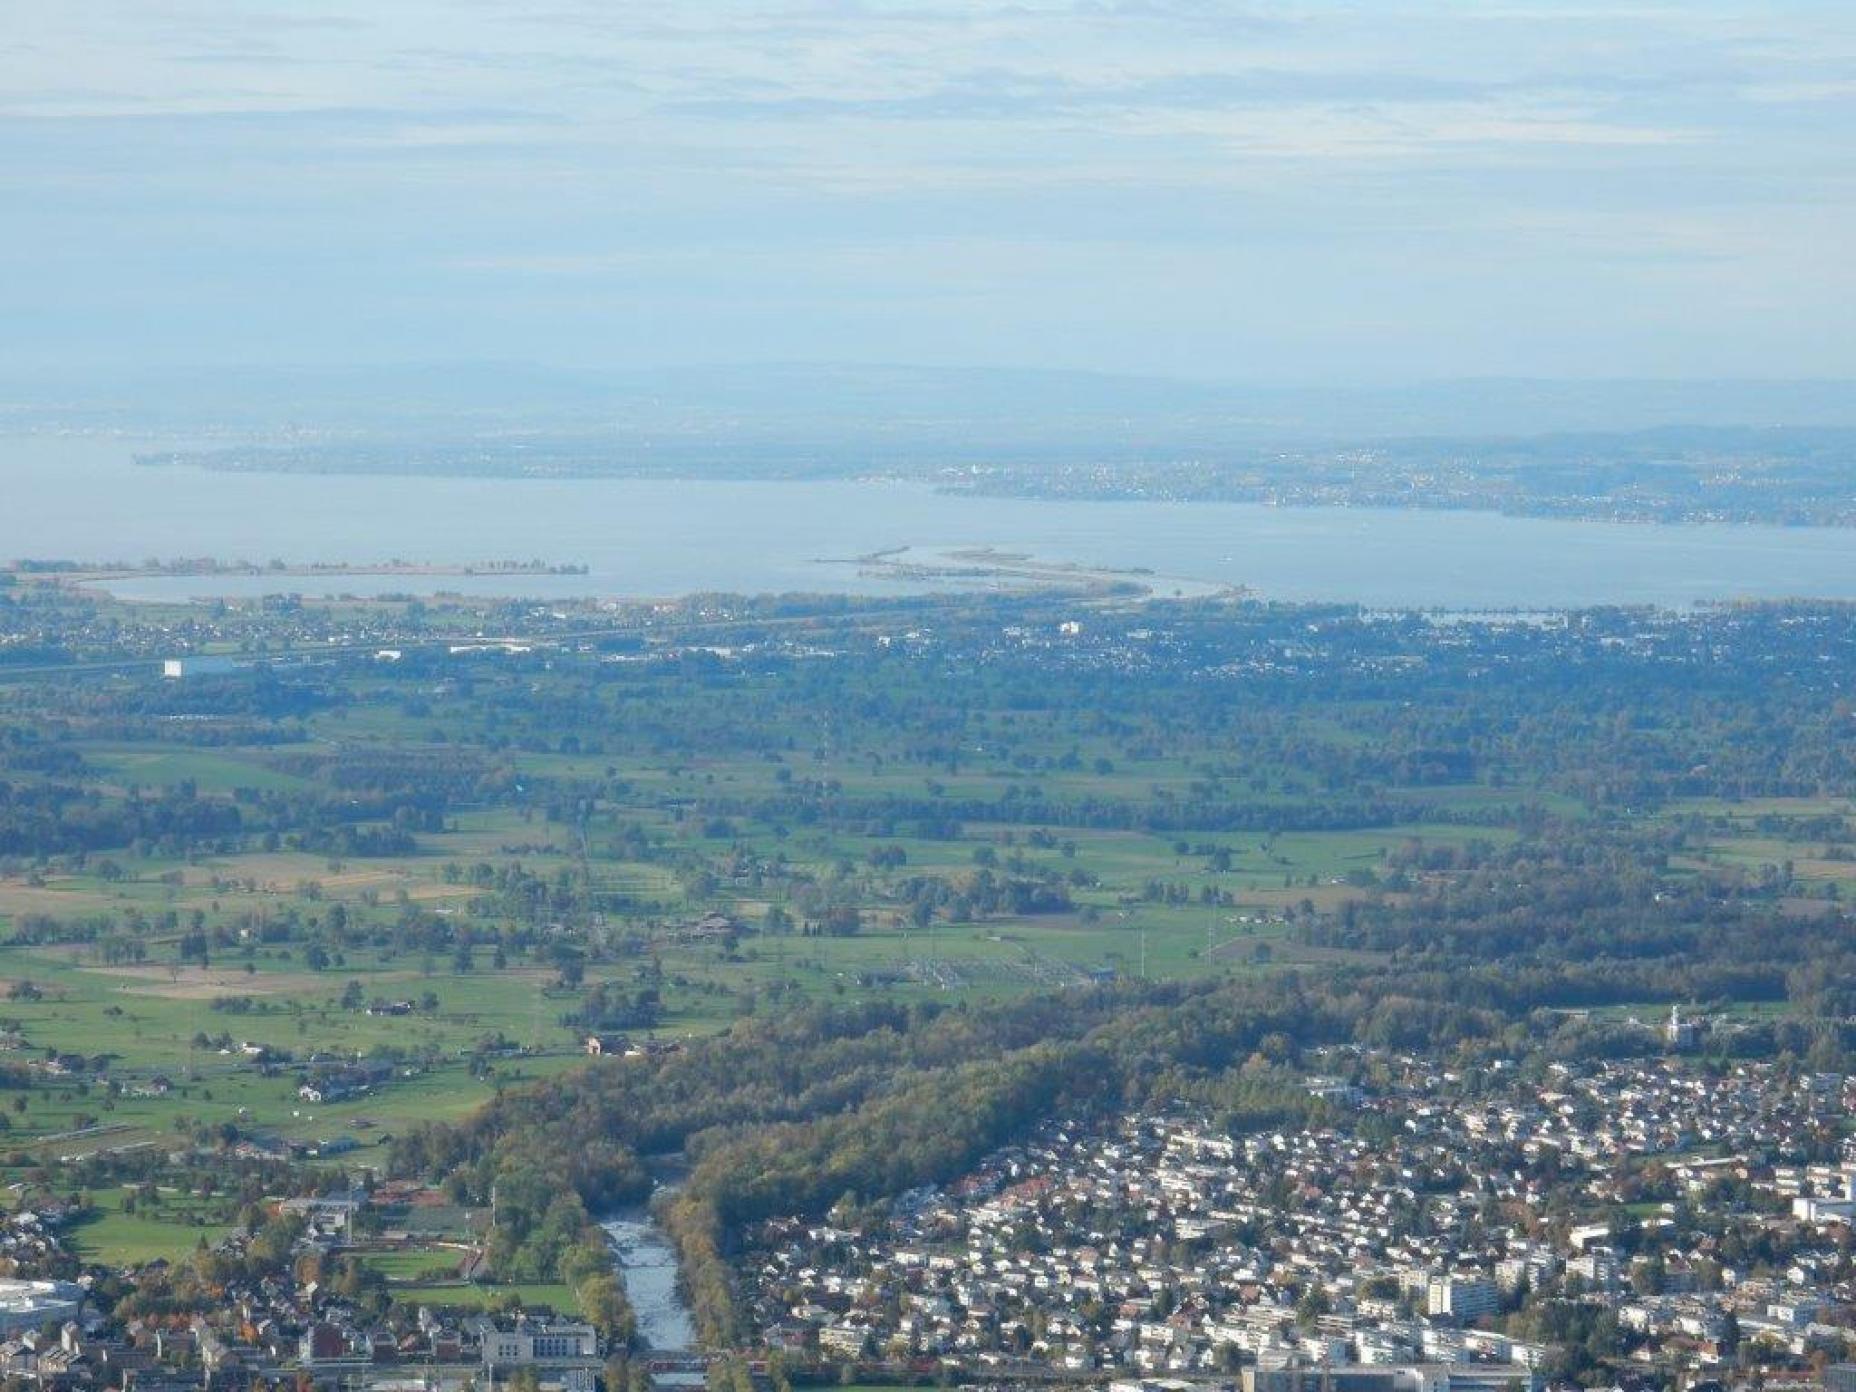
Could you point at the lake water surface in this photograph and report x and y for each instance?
(81, 497)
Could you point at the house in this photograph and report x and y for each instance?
(709, 928)
(325, 1343)
(607, 1045)
(336, 1085)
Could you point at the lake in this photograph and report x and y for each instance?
(81, 497)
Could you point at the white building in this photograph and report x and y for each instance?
(561, 1352)
(1460, 1297)
(26, 1305)
(204, 666)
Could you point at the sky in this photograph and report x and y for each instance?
(1316, 191)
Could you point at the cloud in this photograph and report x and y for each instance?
(388, 163)
(997, 95)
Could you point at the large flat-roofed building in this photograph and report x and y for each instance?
(1406, 1377)
(1461, 1297)
(26, 1305)
(208, 665)
(563, 1353)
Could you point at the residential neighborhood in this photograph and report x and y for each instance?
(1692, 1219)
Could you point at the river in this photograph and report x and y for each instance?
(648, 1264)
(82, 497)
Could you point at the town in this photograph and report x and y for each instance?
(1487, 1229)
(1679, 1218)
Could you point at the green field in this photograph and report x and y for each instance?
(148, 1016)
(170, 1230)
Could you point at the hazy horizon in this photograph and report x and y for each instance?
(851, 405)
